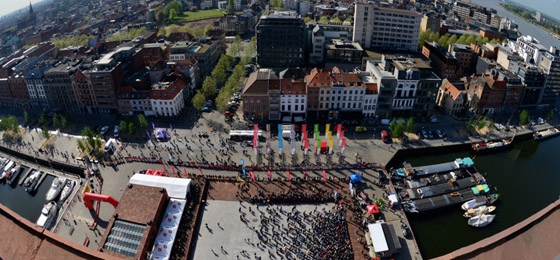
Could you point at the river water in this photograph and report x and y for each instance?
(21, 202)
(524, 27)
(527, 180)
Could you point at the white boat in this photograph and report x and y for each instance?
(67, 190)
(12, 174)
(6, 169)
(32, 178)
(479, 211)
(481, 220)
(56, 188)
(48, 215)
(474, 203)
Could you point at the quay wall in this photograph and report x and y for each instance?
(471, 251)
(57, 165)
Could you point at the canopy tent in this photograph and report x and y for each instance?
(176, 187)
(393, 199)
(162, 135)
(372, 209)
(355, 177)
(324, 147)
(384, 238)
(168, 229)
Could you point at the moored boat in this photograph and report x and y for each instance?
(12, 174)
(545, 134)
(48, 215)
(481, 220)
(56, 188)
(67, 190)
(6, 169)
(474, 203)
(479, 211)
(33, 177)
(489, 146)
(31, 183)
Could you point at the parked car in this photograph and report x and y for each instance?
(406, 231)
(116, 132)
(104, 130)
(206, 109)
(439, 134)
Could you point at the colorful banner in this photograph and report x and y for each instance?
(316, 131)
(255, 136)
(170, 128)
(338, 130)
(267, 138)
(243, 168)
(304, 174)
(280, 138)
(324, 175)
(304, 131)
(252, 175)
(327, 130)
(289, 176)
(293, 138)
(269, 175)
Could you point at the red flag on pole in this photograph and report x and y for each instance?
(185, 171)
(252, 175)
(324, 175)
(269, 175)
(289, 177)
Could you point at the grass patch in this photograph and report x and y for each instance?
(199, 15)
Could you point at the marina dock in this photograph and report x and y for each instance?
(426, 170)
(24, 176)
(41, 179)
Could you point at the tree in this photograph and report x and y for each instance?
(236, 46)
(142, 121)
(81, 145)
(197, 32)
(131, 128)
(231, 7)
(42, 119)
(207, 28)
(550, 116)
(469, 125)
(160, 16)
(174, 5)
(219, 76)
(198, 100)
(410, 125)
(482, 123)
(55, 120)
(172, 14)
(524, 117)
(45, 132)
(63, 121)
(209, 87)
(307, 19)
(25, 115)
(123, 127)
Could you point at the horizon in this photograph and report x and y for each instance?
(10, 6)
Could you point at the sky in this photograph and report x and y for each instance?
(8, 6)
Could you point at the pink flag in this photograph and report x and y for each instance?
(324, 175)
(289, 177)
(255, 135)
(252, 175)
(343, 143)
(269, 175)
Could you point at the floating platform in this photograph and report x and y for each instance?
(25, 175)
(427, 170)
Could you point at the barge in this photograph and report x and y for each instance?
(547, 133)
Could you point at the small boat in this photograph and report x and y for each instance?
(474, 203)
(545, 134)
(455, 193)
(56, 188)
(489, 146)
(48, 215)
(32, 178)
(481, 220)
(6, 169)
(479, 211)
(67, 190)
(12, 174)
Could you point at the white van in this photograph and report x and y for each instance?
(110, 146)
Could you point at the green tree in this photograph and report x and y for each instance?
(123, 127)
(323, 20)
(142, 121)
(307, 19)
(550, 116)
(207, 28)
(45, 132)
(63, 121)
(231, 7)
(9, 123)
(55, 120)
(197, 32)
(219, 76)
(81, 145)
(172, 14)
(25, 115)
(131, 128)
(482, 123)
(42, 119)
(236, 46)
(469, 126)
(174, 5)
(409, 125)
(524, 117)
(209, 87)
(198, 100)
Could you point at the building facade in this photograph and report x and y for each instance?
(281, 40)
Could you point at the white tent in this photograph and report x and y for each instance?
(378, 238)
(168, 230)
(176, 187)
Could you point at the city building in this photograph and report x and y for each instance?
(257, 101)
(452, 98)
(430, 21)
(550, 64)
(534, 82)
(60, 92)
(466, 58)
(386, 28)
(443, 63)
(281, 40)
(343, 51)
(529, 49)
(497, 90)
(207, 54)
(107, 76)
(293, 97)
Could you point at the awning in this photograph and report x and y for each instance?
(355, 177)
